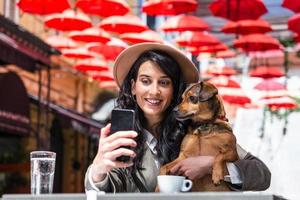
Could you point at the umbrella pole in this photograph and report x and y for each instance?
(286, 68)
(38, 122)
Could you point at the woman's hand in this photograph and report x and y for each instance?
(194, 167)
(108, 151)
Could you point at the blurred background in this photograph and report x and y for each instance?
(57, 88)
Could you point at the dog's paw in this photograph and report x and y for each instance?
(217, 177)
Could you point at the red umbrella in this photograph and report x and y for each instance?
(145, 36)
(103, 8)
(78, 53)
(43, 7)
(222, 71)
(292, 5)
(234, 95)
(91, 65)
(269, 94)
(90, 35)
(235, 10)
(245, 27)
(207, 49)
(110, 50)
(294, 23)
(257, 42)
(269, 84)
(196, 39)
(123, 24)
(61, 42)
(224, 81)
(169, 7)
(278, 103)
(266, 72)
(225, 54)
(182, 23)
(103, 76)
(69, 20)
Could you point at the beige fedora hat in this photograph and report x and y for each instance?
(128, 56)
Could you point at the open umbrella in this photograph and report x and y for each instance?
(123, 24)
(103, 76)
(110, 50)
(69, 20)
(77, 53)
(234, 95)
(257, 42)
(235, 10)
(294, 23)
(169, 7)
(92, 64)
(222, 71)
(182, 23)
(145, 36)
(245, 27)
(292, 5)
(61, 42)
(196, 39)
(90, 35)
(103, 8)
(278, 103)
(224, 81)
(207, 49)
(43, 7)
(269, 84)
(266, 72)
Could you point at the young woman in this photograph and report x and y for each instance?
(151, 78)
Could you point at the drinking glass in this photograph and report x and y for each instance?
(42, 171)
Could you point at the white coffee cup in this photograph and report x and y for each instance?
(173, 184)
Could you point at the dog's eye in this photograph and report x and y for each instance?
(193, 99)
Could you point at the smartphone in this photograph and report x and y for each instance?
(122, 120)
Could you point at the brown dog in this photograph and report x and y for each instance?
(209, 134)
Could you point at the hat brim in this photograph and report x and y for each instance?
(127, 57)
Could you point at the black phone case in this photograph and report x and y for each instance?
(122, 120)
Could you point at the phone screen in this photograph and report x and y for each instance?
(122, 120)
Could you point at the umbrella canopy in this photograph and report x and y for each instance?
(294, 23)
(43, 7)
(269, 84)
(292, 5)
(69, 20)
(110, 50)
(225, 54)
(278, 103)
(245, 27)
(92, 64)
(123, 24)
(77, 53)
(234, 95)
(103, 76)
(61, 42)
(182, 23)
(224, 81)
(145, 36)
(103, 8)
(196, 39)
(90, 35)
(207, 49)
(222, 71)
(257, 42)
(235, 10)
(169, 7)
(266, 72)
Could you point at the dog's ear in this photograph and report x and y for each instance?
(207, 91)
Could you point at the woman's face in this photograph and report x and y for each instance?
(153, 90)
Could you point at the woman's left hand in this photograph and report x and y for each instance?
(194, 167)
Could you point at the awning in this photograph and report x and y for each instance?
(14, 105)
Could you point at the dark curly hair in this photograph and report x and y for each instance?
(170, 131)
